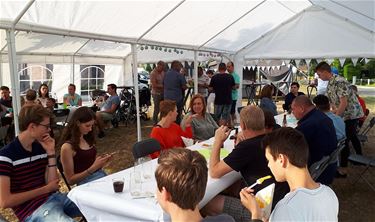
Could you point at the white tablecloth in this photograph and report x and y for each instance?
(98, 202)
(290, 119)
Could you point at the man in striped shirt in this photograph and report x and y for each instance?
(28, 176)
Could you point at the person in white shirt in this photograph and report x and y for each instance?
(321, 85)
(287, 155)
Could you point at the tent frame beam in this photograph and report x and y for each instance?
(110, 38)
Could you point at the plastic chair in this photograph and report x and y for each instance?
(145, 147)
(317, 168)
(362, 136)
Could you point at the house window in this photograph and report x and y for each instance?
(92, 77)
(32, 76)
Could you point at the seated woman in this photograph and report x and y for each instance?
(43, 94)
(202, 123)
(78, 152)
(266, 99)
(167, 132)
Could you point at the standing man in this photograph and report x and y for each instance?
(157, 88)
(344, 103)
(222, 84)
(230, 69)
(294, 87)
(174, 85)
(28, 175)
(108, 109)
(319, 133)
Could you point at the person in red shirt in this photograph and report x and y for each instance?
(167, 132)
(363, 105)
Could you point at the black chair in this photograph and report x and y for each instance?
(61, 171)
(317, 168)
(362, 136)
(145, 147)
(365, 161)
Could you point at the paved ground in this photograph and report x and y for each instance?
(366, 91)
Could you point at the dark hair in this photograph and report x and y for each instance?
(269, 119)
(289, 142)
(34, 113)
(231, 63)
(183, 173)
(195, 97)
(72, 133)
(176, 65)
(295, 84)
(266, 91)
(166, 106)
(71, 84)
(113, 86)
(4, 88)
(222, 67)
(323, 66)
(40, 91)
(210, 71)
(322, 102)
(30, 95)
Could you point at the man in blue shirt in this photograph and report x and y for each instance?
(322, 103)
(106, 112)
(319, 132)
(174, 87)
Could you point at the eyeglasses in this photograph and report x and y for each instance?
(47, 126)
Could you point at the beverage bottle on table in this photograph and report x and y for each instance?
(284, 121)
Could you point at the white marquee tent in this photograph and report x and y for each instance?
(115, 32)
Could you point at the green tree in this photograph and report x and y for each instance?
(148, 68)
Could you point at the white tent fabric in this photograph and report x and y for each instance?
(298, 38)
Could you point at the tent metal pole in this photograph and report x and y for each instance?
(15, 86)
(1, 72)
(72, 76)
(195, 74)
(136, 90)
(24, 10)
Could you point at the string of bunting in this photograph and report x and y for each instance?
(177, 51)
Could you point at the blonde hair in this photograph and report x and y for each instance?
(252, 118)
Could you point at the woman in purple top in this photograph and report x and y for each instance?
(78, 152)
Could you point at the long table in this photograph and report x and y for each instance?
(98, 202)
(291, 121)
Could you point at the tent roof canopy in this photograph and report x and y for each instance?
(106, 28)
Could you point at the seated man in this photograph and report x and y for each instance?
(30, 97)
(108, 109)
(247, 158)
(322, 103)
(294, 87)
(182, 179)
(319, 133)
(28, 176)
(72, 98)
(287, 154)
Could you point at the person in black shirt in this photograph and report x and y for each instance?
(222, 84)
(248, 158)
(294, 87)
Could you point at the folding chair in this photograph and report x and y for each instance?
(61, 119)
(365, 161)
(61, 171)
(3, 135)
(362, 136)
(317, 168)
(145, 147)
